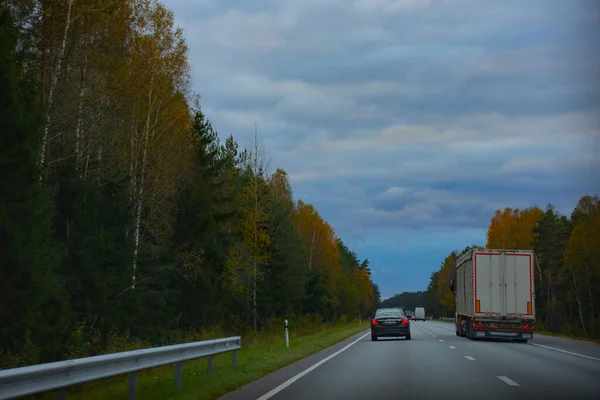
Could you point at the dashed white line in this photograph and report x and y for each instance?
(508, 381)
(470, 358)
(567, 352)
(441, 340)
(433, 335)
(452, 347)
(306, 371)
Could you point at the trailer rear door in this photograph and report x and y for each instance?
(503, 283)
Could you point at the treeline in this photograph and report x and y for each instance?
(410, 301)
(567, 264)
(122, 214)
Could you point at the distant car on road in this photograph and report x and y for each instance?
(409, 314)
(390, 322)
(419, 314)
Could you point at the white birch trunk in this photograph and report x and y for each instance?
(589, 285)
(132, 164)
(140, 194)
(53, 84)
(579, 304)
(312, 246)
(256, 249)
(79, 129)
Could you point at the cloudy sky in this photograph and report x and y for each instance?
(407, 122)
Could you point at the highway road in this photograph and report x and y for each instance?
(436, 364)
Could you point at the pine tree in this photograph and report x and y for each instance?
(31, 298)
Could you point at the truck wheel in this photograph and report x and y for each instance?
(470, 333)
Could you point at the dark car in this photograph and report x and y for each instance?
(390, 322)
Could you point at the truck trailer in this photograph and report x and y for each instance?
(494, 292)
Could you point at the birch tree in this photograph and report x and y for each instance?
(159, 70)
(254, 225)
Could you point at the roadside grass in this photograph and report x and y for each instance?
(260, 355)
(568, 336)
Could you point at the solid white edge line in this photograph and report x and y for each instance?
(508, 381)
(293, 379)
(565, 351)
(469, 358)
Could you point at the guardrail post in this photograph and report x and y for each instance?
(234, 358)
(210, 365)
(132, 385)
(178, 377)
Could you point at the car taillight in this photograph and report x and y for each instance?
(374, 322)
(404, 321)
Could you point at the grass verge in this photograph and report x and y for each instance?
(565, 336)
(257, 359)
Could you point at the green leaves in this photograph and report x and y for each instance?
(139, 182)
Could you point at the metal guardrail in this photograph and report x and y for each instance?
(447, 319)
(60, 375)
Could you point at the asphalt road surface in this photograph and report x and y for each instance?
(436, 364)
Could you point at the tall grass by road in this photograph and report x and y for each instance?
(261, 354)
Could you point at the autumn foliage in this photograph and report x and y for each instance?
(123, 213)
(567, 264)
(513, 228)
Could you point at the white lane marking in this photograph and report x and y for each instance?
(508, 381)
(433, 335)
(470, 358)
(441, 340)
(452, 347)
(564, 351)
(293, 379)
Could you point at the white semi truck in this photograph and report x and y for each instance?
(494, 291)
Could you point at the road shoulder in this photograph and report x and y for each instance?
(263, 385)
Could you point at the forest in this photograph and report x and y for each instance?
(567, 266)
(125, 219)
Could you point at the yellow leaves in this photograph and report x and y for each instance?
(365, 289)
(583, 248)
(281, 188)
(448, 301)
(320, 242)
(253, 224)
(190, 262)
(234, 269)
(447, 273)
(512, 228)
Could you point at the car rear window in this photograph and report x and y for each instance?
(389, 313)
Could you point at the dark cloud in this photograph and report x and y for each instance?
(402, 120)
